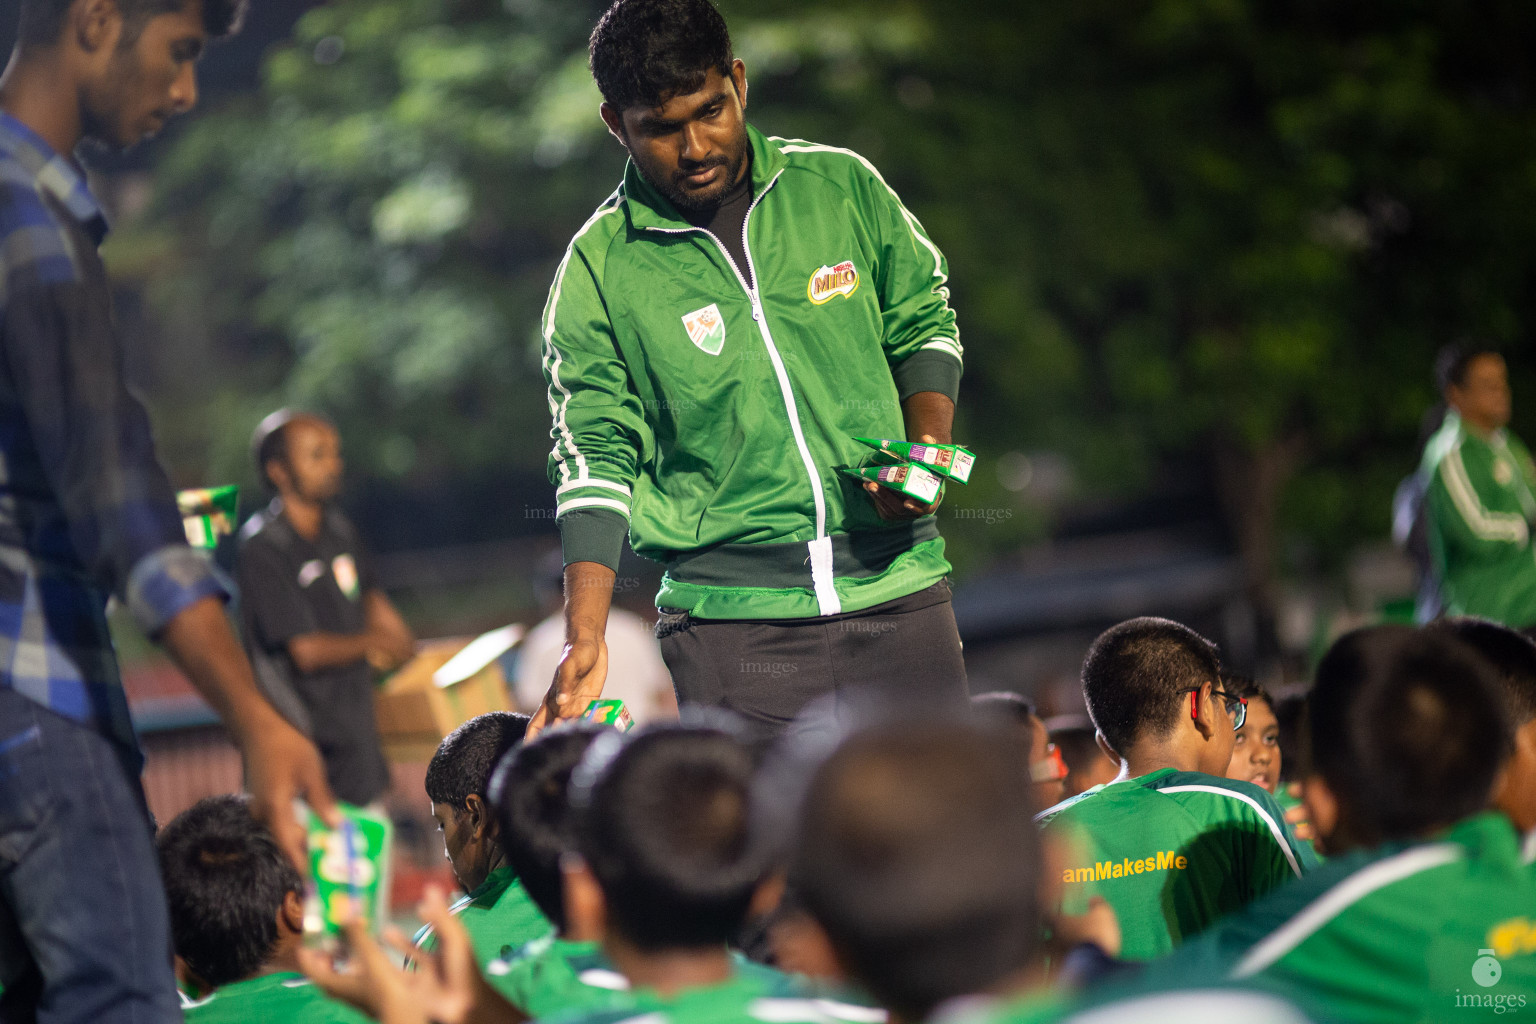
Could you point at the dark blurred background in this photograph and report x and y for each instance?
(1202, 251)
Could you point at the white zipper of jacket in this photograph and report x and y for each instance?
(820, 549)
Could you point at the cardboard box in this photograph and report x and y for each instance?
(447, 683)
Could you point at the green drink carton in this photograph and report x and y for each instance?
(913, 481)
(610, 712)
(948, 460)
(349, 864)
(207, 513)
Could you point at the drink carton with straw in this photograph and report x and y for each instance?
(949, 460)
(912, 480)
(350, 866)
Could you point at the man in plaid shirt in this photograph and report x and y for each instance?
(86, 512)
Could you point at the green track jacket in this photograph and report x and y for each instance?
(711, 418)
(1481, 502)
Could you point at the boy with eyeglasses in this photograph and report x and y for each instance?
(1171, 845)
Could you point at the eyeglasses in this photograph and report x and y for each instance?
(1050, 768)
(1237, 707)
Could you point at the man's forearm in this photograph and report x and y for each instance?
(202, 643)
(929, 413)
(588, 596)
(312, 652)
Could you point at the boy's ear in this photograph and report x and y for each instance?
(95, 25)
(479, 813)
(1109, 751)
(1202, 715)
(586, 912)
(290, 916)
(767, 896)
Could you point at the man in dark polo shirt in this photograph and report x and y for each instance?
(316, 624)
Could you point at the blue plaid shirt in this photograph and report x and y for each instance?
(86, 511)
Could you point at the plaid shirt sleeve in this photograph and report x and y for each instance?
(94, 446)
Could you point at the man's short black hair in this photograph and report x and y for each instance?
(1453, 361)
(663, 823)
(530, 791)
(1004, 705)
(1512, 656)
(918, 855)
(1291, 716)
(269, 441)
(644, 51)
(1133, 674)
(1408, 728)
(42, 21)
(467, 756)
(225, 882)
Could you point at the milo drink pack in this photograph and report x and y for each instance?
(913, 481)
(610, 712)
(350, 865)
(207, 513)
(948, 460)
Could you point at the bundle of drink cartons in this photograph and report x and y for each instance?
(916, 470)
(447, 683)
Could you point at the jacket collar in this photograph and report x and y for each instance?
(648, 208)
(55, 174)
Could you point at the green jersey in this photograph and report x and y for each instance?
(1171, 852)
(1443, 930)
(286, 997)
(1194, 1006)
(1481, 502)
(553, 975)
(753, 995)
(500, 917)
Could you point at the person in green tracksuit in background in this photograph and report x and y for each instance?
(1481, 495)
(1171, 845)
(719, 331)
(496, 909)
(237, 920)
(1424, 910)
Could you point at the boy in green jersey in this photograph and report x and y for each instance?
(1172, 845)
(496, 909)
(918, 855)
(1424, 911)
(237, 919)
(561, 971)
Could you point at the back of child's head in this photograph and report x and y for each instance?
(467, 756)
(225, 882)
(1004, 706)
(1291, 717)
(530, 791)
(918, 855)
(663, 824)
(1408, 728)
(1134, 674)
(1510, 654)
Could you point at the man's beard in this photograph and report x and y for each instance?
(707, 201)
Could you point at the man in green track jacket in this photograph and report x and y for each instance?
(1481, 497)
(719, 330)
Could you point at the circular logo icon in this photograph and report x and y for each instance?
(1486, 971)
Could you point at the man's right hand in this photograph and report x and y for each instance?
(579, 680)
(281, 765)
(583, 664)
